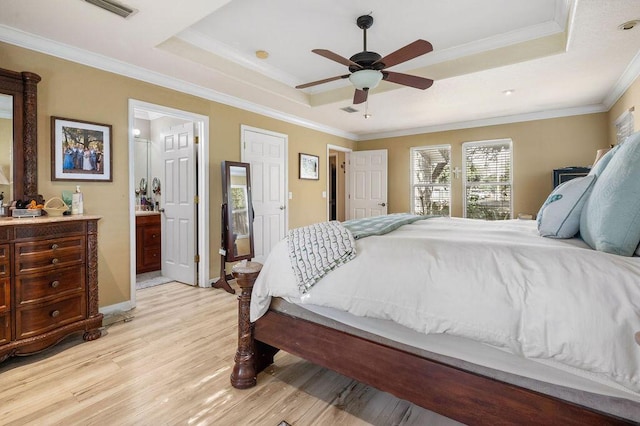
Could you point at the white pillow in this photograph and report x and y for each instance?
(559, 216)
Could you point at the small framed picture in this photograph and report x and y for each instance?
(309, 166)
(80, 150)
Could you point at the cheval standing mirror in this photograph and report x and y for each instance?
(236, 218)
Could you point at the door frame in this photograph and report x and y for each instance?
(347, 151)
(285, 138)
(201, 124)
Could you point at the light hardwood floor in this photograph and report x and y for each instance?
(170, 364)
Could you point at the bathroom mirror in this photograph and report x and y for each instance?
(18, 147)
(142, 162)
(238, 212)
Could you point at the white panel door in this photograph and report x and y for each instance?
(367, 183)
(178, 191)
(266, 152)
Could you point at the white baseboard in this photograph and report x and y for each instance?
(118, 307)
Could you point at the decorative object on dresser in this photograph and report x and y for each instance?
(48, 282)
(567, 173)
(148, 242)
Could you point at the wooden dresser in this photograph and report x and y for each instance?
(148, 242)
(48, 282)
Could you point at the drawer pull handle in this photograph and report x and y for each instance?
(154, 235)
(55, 260)
(55, 284)
(55, 313)
(54, 246)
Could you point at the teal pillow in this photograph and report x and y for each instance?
(559, 216)
(604, 162)
(610, 219)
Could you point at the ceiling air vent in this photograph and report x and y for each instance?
(113, 7)
(349, 109)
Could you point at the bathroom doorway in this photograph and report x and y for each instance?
(337, 199)
(168, 169)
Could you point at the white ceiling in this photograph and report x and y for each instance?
(560, 57)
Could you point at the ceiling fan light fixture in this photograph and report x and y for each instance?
(365, 79)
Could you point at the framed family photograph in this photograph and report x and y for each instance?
(309, 166)
(80, 150)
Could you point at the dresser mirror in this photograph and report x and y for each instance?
(18, 134)
(6, 150)
(236, 217)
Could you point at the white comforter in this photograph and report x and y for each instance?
(496, 282)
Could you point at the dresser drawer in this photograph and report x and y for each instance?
(47, 255)
(5, 328)
(5, 260)
(39, 319)
(35, 288)
(5, 295)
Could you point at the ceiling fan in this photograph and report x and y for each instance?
(367, 69)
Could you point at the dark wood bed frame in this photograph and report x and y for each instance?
(458, 394)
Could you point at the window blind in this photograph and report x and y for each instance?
(624, 125)
(431, 180)
(487, 174)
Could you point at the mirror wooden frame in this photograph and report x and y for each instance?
(22, 86)
(228, 243)
(231, 256)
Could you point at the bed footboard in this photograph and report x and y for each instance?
(448, 390)
(251, 356)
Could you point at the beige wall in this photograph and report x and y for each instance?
(75, 91)
(631, 98)
(538, 148)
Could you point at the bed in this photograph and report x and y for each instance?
(504, 322)
(328, 328)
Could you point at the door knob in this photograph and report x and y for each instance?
(161, 210)
(282, 207)
(382, 204)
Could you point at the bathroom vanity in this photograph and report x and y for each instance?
(148, 242)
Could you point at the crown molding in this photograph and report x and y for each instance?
(494, 121)
(63, 51)
(627, 78)
(197, 39)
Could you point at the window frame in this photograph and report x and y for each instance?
(413, 183)
(465, 184)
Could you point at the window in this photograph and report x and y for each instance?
(431, 180)
(624, 125)
(487, 168)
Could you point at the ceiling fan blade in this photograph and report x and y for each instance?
(407, 80)
(335, 57)
(410, 51)
(360, 96)
(326, 80)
